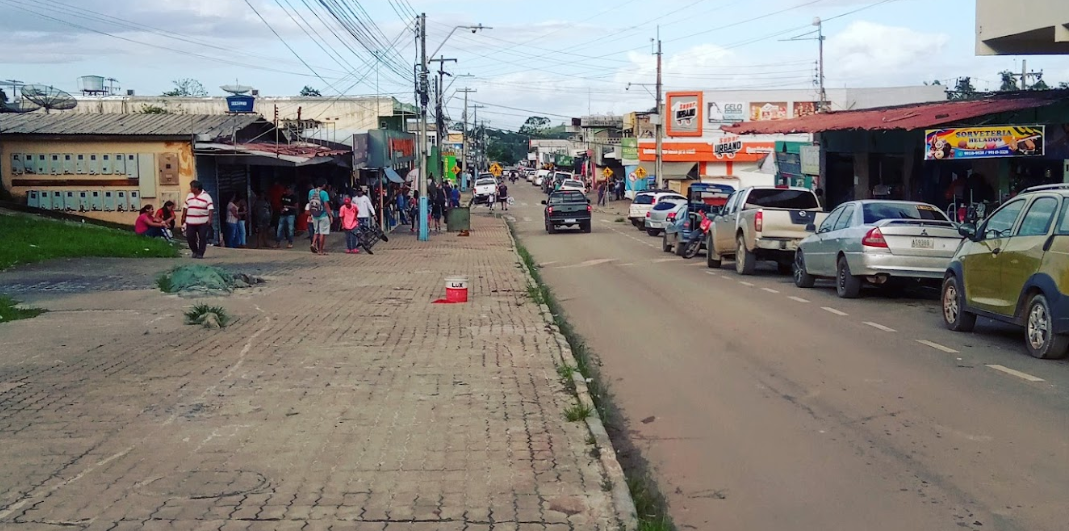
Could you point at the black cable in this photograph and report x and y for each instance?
(297, 55)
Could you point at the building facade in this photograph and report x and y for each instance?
(1007, 28)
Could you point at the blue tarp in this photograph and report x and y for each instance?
(393, 176)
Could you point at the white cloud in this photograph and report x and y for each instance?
(875, 54)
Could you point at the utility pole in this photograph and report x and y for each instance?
(1025, 74)
(820, 65)
(464, 140)
(478, 141)
(659, 164)
(439, 123)
(424, 97)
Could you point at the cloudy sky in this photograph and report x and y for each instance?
(555, 58)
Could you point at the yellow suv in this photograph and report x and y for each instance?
(1013, 268)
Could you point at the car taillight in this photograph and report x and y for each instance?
(654, 201)
(549, 210)
(589, 208)
(686, 224)
(759, 221)
(647, 214)
(672, 216)
(874, 238)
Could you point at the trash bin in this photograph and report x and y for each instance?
(459, 219)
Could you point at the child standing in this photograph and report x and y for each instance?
(349, 223)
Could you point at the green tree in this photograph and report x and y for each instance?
(1007, 81)
(535, 126)
(187, 87)
(1039, 85)
(310, 92)
(153, 109)
(963, 89)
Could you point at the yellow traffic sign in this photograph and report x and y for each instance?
(640, 172)
(456, 170)
(607, 172)
(495, 169)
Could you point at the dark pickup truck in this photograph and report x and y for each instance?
(567, 208)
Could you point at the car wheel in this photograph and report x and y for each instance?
(665, 246)
(847, 286)
(712, 260)
(585, 226)
(954, 315)
(1040, 338)
(653, 232)
(550, 228)
(802, 279)
(745, 261)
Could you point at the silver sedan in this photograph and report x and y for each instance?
(657, 218)
(876, 241)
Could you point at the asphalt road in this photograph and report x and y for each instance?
(763, 406)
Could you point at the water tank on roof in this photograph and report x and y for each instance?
(92, 83)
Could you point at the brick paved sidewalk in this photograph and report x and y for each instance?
(341, 398)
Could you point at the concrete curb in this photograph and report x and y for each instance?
(624, 506)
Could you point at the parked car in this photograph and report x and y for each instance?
(530, 175)
(762, 223)
(567, 208)
(1013, 268)
(876, 242)
(485, 186)
(540, 176)
(644, 201)
(657, 217)
(701, 197)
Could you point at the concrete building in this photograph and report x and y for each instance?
(1038, 27)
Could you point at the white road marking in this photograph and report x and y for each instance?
(663, 260)
(714, 273)
(699, 264)
(544, 264)
(937, 346)
(770, 290)
(798, 299)
(1019, 374)
(604, 221)
(589, 263)
(879, 326)
(747, 284)
(833, 311)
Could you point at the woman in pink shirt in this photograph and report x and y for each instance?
(148, 225)
(349, 223)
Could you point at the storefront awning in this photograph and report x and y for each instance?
(905, 117)
(393, 176)
(673, 171)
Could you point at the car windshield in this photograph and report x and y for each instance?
(563, 176)
(576, 184)
(644, 199)
(782, 198)
(558, 198)
(484, 182)
(875, 212)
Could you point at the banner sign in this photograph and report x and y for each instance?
(727, 146)
(804, 108)
(629, 149)
(725, 112)
(984, 142)
(684, 113)
(810, 156)
(763, 111)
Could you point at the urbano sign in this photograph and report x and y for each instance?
(725, 112)
(684, 110)
(727, 147)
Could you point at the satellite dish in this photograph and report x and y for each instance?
(236, 89)
(20, 106)
(49, 97)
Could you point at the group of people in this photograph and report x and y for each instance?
(156, 223)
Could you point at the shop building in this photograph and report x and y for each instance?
(947, 153)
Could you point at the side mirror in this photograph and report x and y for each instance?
(544, 201)
(967, 230)
(812, 227)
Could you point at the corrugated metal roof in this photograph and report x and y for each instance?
(159, 125)
(907, 117)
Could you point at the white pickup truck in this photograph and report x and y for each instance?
(762, 223)
(485, 187)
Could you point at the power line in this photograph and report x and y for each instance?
(297, 55)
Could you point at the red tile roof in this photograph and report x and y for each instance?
(908, 117)
(293, 150)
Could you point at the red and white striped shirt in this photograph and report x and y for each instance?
(198, 208)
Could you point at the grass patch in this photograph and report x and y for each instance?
(536, 294)
(165, 283)
(619, 220)
(566, 372)
(208, 316)
(30, 239)
(651, 506)
(577, 412)
(10, 312)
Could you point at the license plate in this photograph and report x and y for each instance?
(923, 243)
(569, 221)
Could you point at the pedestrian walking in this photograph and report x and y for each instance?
(454, 197)
(601, 193)
(503, 195)
(438, 209)
(350, 224)
(365, 209)
(321, 216)
(197, 219)
(261, 219)
(233, 221)
(287, 217)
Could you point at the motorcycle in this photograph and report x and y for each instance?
(695, 243)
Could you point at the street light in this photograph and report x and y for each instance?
(424, 233)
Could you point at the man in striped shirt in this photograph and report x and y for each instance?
(197, 219)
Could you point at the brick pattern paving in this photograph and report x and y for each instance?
(341, 398)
